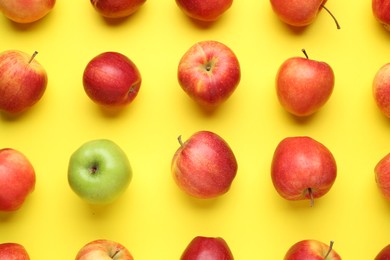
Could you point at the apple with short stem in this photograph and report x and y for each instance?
(381, 12)
(23, 81)
(384, 254)
(117, 8)
(300, 13)
(302, 168)
(204, 11)
(204, 166)
(303, 85)
(209, 72)
(22, 11)
(381, 89)
(13, 251)
(313, 250)
(210, 248)
(103, 249)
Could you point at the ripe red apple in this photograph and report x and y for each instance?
(300, 12)
(205, 11)
(303, 85)
(111, 79)
(209, 72)
(381, 11)
(311, 250)
(23, 81)
(210, 248)
(384, 254)
(116, 8)
(302, 168)
(204, 166)
(17, 179)
(13, 251)
(382, 175)
(103, 249)
(381, 89)
(22, 11)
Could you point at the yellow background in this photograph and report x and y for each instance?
(154, 219)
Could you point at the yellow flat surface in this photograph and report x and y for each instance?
(154, 219)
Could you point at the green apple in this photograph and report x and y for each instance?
(99, 171)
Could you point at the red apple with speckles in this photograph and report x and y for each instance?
(384, 254)
(381, 89)
(13, 251)
(205, 11)
(26, 11)
(111, 80)
(210, 248)
(117, 8)
(303, 85)
(103, 249)
(382, 175)
(312, 250)
(381, 11)
(209, 72)
(302, 168)
(204, 166)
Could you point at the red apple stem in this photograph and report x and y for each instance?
(116, 252)
(304, 52)
(330, 249)
(180, 141)
(311, 197)
(33, 56)
(334, 18)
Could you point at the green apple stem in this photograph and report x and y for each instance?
(180, 141)
(334, 18)
(330, 249)
(311, 197)
(304, 52)
(33, 56)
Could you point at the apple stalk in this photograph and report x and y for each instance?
(32, 57)
(311, 197)
(330, 248)
(334, 18)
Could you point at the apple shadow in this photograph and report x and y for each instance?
(6, 216)
(120, 20)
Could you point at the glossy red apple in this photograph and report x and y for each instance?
(381, 11)
(26, 11)
(117, 8)
(209, 72)
(204, 166)
(381, 89)
(382, 175)
(302, 168)
(311, 250)
(111, 79)
(13, 251)
(299, 12)
(384, 254)
(303, 85)
(205, 11)
(103, 249)
(23, 81)
(17, 179)
(210, 248)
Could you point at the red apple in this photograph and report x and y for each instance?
(303, 86)
(13, 251)
(381, 11)
(381, 89)
(382, 175)
(204, 166)
(22, 82)
(103, 249)
(209, 72)
(205, 11)
(384, 254)
(111, 79)
(311, 250)
(299, 12)
(302, 168)
(116, 8)
(26, 11)
(210, 248)
(17, 179)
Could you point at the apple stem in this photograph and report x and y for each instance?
(304, 52)
(180, 141)
(330, 249)
(116, 252)
(334, 18)
(311, 197)
(33, 56)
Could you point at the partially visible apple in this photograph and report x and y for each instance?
(205, 11)
(22, 11)
(23, 81)
(103, 249)
(204, 166)
(99, 171)
(210, 248)
(111, 80)
(382, 175)
(117, 8)
(381, 89)
(303, 85)
(209, 72)
(300, 12)
(384, 254)
(381, 11)
(13, 251)
(302, 168)
(312, 250)
(17, 179)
